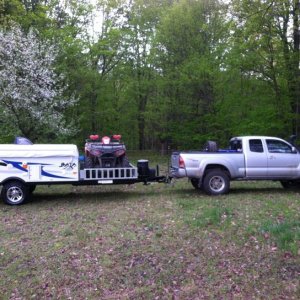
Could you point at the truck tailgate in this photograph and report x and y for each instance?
(176, 170)
(175, 160)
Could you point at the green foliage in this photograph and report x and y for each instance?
(286, 234)
(172, 73)
(214, 216)
(11, 10)
(202, 216)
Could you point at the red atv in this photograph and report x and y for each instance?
(107, 152)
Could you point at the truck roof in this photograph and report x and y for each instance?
(255, 137)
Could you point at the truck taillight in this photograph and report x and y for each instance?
(181, 162)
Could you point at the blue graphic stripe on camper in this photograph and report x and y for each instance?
(16, 164)
(44, 173)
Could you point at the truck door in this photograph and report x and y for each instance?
(283, 160)
(256, 159)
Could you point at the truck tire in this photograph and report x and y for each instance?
(195, 183)
(216, 182)
(14, 193)
(210, 146)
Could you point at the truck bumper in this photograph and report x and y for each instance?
(178, 172)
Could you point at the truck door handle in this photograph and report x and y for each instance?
(272, 157)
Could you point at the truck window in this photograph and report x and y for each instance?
(236, 145)
(256, 146)
(275, 146)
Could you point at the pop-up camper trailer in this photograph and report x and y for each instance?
(42, 163)
(24, 165)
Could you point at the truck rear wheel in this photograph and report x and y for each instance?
(216, 182)
(14, 193)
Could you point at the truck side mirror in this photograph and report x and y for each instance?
(294, 150)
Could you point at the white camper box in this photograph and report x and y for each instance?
(39, 163)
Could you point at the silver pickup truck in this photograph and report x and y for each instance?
(248, 158)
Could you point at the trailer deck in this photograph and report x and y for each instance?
(108, 174)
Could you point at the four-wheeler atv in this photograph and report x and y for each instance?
(107, 152)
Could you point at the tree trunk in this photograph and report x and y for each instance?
(141, 121)
(295, 79)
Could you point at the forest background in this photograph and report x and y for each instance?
(161, 73)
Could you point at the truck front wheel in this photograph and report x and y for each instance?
(216, 182)
(14, 193)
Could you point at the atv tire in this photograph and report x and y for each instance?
(88, 163)
(125, 162)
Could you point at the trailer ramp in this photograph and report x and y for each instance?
(109, 175)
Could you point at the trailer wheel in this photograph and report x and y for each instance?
(216, 182)
(14, 193)
(195, 183)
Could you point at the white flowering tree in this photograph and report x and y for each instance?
(32, 101)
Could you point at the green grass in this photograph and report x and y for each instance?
(152, 242)
(285, 234)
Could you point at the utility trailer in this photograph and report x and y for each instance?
(23, 167)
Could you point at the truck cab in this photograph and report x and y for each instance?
(270, 158)
(247, 158)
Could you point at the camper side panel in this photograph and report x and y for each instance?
(34, 164)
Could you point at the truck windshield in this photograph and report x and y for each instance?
(275, 146)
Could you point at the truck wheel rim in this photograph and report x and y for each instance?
(217, 184)
(14, 194)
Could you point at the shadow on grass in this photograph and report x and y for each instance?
(120, 196)
(87, 197)
(103, 196)
(260, 190)
(235, 191)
